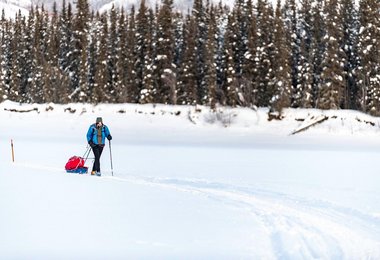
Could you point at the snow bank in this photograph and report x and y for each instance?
(336, 122)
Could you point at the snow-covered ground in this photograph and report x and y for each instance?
(190, 184)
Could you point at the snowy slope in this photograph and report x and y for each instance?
(10, 9)
(12, 6)
(190, 184)
(101, 5)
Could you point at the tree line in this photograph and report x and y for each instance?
(307, 54)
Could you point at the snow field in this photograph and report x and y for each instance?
(186, 186)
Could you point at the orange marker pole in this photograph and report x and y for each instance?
(13, 153)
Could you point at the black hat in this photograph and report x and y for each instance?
(99, 119)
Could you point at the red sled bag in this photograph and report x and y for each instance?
(74, 163)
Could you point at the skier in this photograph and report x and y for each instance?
(96, 135)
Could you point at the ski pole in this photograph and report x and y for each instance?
(87, 152)
(109, 142)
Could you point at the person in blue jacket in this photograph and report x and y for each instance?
(96, 135)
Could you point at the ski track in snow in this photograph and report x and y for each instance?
(322, 230)
(297, 228)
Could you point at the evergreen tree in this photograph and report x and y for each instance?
(2, 90)
(55, 79)
(77, 56)
(142, 47)
(249, 65)
(317, 47)
(332, 86)
(210, 78)
(231, 83)
(165, 70)
(20, 56)
(112, 44)
(148, 91)
(65, 52)
(93, 52)
(132, 94)
(36, 77)
(29, 69)
(282, 81)
(241, 29)
(187, 84)
(6, 61)
(121, 66)
(293, 36)
(54, 36)
(264, 54)
(179, 44)
(16, 92)
(221, 17)
(368, 49)
(63, 33)
(349, 45)
(43, 58)
(43, 37)
(304, 92)
(101, 88)
(238, 39)
(3, 50)
(200, 16)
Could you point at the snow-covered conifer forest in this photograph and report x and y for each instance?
(307, 54)
(198, 168)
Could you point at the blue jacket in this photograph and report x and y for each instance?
(92, 134)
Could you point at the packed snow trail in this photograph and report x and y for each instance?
(298, 229)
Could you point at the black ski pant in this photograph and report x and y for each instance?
(97, 150)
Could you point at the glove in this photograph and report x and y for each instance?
(109, 137)
(91, 143)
